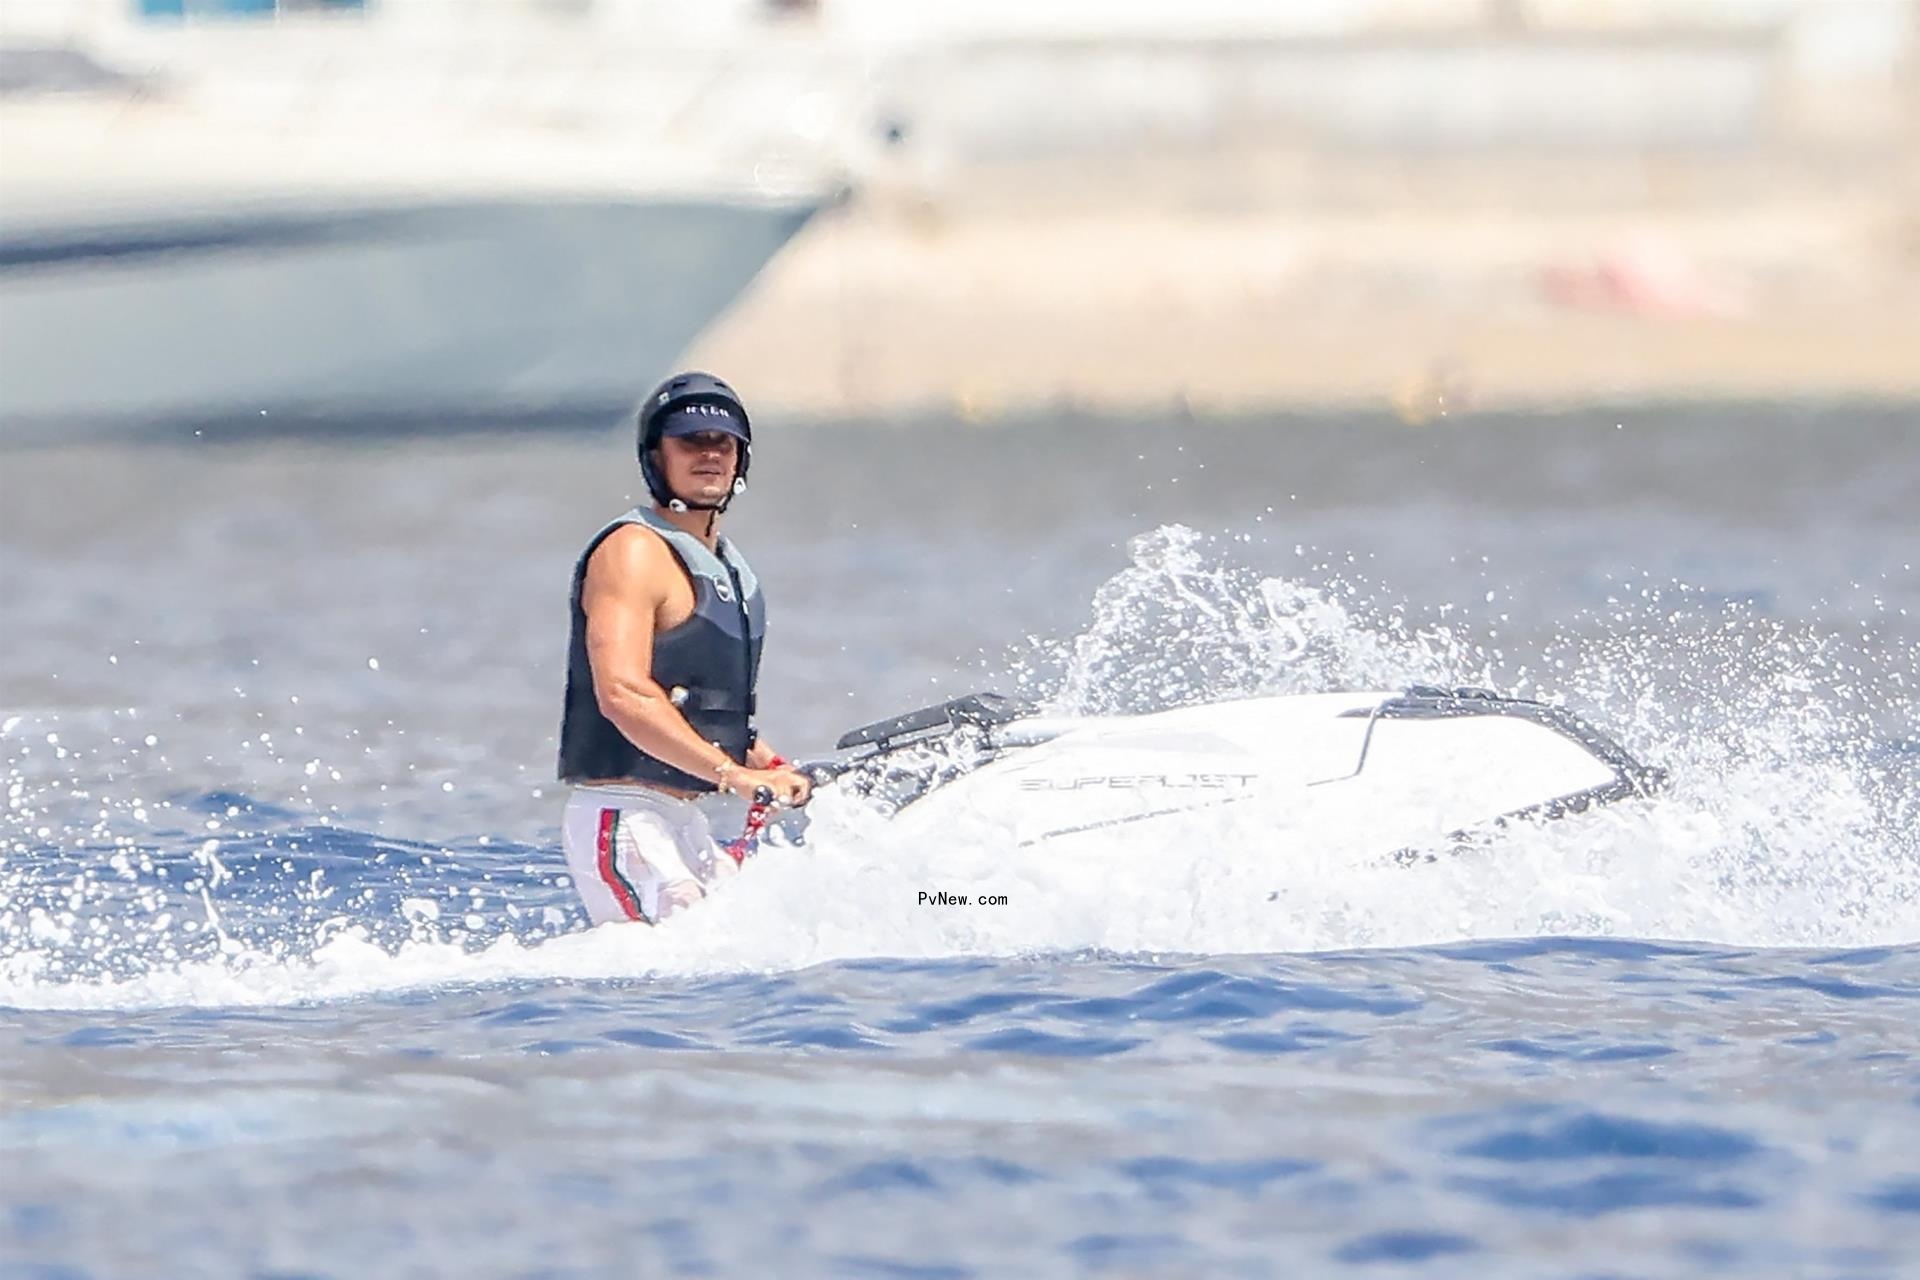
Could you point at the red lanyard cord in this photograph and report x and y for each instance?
(758, 814)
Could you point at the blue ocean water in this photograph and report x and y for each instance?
(292, 982)
(1521, 1107)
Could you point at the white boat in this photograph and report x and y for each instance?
(1402, 772)
(312, 315)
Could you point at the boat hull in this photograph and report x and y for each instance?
(374, 318)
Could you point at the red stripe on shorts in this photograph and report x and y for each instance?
(622, 891)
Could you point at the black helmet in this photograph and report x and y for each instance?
(679, 392)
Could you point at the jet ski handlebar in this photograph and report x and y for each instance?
(1017, 733)
(822, 772)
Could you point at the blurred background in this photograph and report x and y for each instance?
(519, 211)
(322, 324)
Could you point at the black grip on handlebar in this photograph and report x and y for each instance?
(820, 772)
(763, 795)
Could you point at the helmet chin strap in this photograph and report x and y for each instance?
(713, 510)
(682, 505)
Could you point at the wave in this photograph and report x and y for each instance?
(1790, 822)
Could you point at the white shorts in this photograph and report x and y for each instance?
(638, 854)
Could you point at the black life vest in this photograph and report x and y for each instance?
(709, 665)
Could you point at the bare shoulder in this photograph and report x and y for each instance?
(633, 559)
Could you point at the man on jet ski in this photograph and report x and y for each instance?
(663, 658)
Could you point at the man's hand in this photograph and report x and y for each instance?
(790, 788)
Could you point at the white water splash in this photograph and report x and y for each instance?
(1185, 624)
(1782, 828)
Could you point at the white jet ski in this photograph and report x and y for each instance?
(1404, 773)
